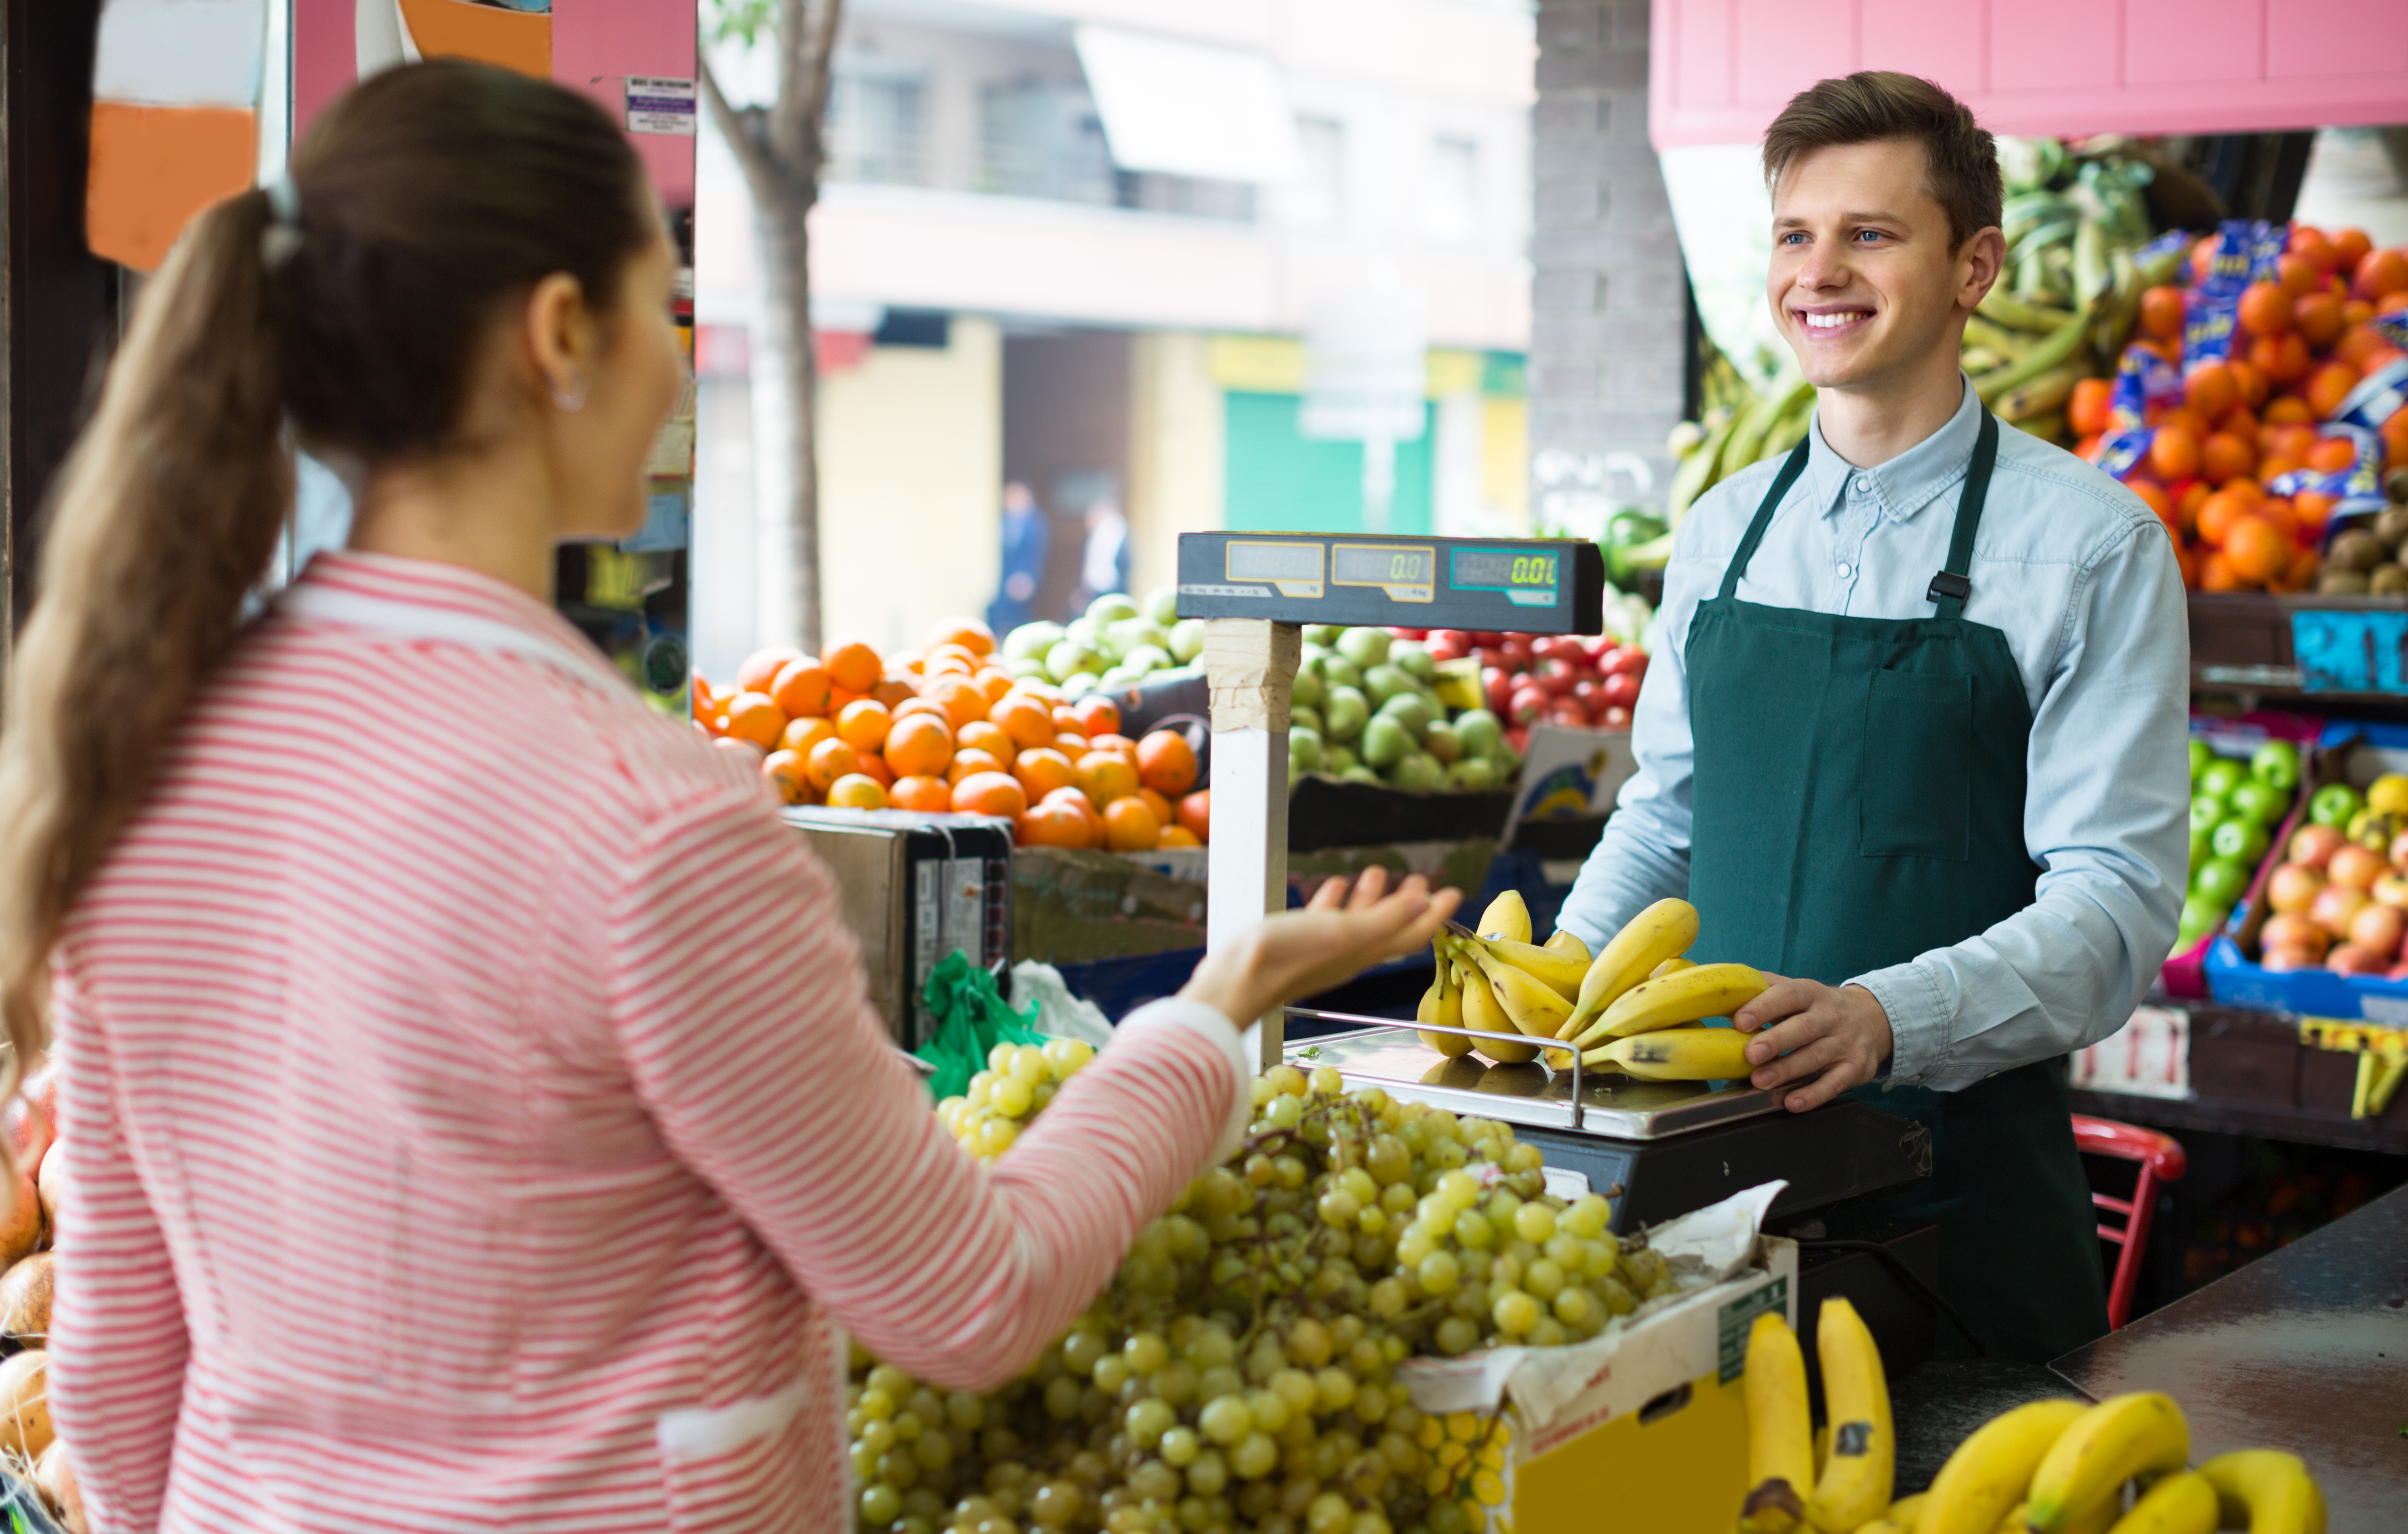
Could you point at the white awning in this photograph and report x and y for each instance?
(1189, 110)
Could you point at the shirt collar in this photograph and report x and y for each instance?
(420, 599)
(1908, 482)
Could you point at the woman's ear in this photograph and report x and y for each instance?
(562, 339)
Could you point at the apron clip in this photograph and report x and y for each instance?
(1948, 583)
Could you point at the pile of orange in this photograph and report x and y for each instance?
(2302, 342)
(944, 728)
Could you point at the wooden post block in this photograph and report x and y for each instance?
(1249, 664)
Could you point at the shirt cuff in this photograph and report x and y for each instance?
(1919, 1017)
(1205, 1020)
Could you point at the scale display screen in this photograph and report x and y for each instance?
(1529, 585)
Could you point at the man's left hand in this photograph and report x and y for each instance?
(1838, 1036)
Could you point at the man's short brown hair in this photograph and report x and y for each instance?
(1960, 157)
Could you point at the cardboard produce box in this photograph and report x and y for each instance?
(1639, 1431)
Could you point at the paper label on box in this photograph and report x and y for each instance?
(1734, 1321)
(2149, 1056)
(660, 104)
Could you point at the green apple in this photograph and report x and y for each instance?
(2202, 846)
(2333, 804)
(2242, 839)
(2199, 917)
(2207, 812)
(2222, 880)
(2221, 776)
(2199, 757)
(2259, 801)
(2276, 764)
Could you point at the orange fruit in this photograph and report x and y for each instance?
(752, 716)
(2360, 342)
(1071, 743)
(1106, 776)
(1054, 825)
(2312, 510)
(1130, 825)
(2379, 273)
(2088, 411)
(919, 792)
(969, 633)
(1158, 803)
(2395, 437)
(863, 724)
(1085, 808)
(2350, 247)
(2217, 516)
(2215, 574)
(995, 681)
(856, 791)
(1026, 719)
(2332, 454)
(2174, 453)
(2327, 386)
(2275, 465)
(1042, 770)
(989, 794)
(2320, 318)
(2297, 276)
(2203, 257)
(891, 690)
(968, 760)
(2254, 383)
(705, 702)
(761, 668)
(2355, 312)
(2302, 573)
(2256, 549)
(990, 737)
(2181, 416)
(921, 706)
(2265, 309)
(1066, 718)
(784, 771)
(2283, 358)
(1097, 714)
(919, 745)
(1165, 763)
(2185, 505)
(963, 699)
(801, 734)
(1121, 743)
(802, 687)
(1179, 835)
(874, 765)
(854, 665)
(2161, 314)
(1195, 814)
(828, 761)
(2224, 456)
(2210, 389)
(949, 666)
(2241, 422)
(2310, 245)
(2152, 492)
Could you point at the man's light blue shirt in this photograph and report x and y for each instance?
(2080, 577)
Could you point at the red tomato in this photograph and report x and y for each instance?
(1528, 704)
(1621, 690)
(1613, 718)
(1496, 687)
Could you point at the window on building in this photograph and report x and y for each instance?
(1043, 138)
(1317, 199)
(1451, 191)
(874, 123)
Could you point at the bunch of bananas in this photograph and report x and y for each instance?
(1632, 1008)
(2050, 1467)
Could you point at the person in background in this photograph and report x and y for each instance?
(474, 1111)
(1027, 537)
(1104, 565)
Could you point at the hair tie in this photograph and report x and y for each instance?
(281, 238)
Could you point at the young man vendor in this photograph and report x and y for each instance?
(1915, 735)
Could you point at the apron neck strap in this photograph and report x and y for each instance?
(1950, 587)
(1790, 469)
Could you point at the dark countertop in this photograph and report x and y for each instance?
(1938, 1403)
(2305, 1349)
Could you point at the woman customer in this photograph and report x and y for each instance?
(475, 1116)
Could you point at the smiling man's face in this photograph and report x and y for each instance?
(1866, 284)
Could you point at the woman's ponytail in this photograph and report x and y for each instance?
(168, 512)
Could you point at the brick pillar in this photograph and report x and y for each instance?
(1609, 296)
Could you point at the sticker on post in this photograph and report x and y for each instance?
(660, 104)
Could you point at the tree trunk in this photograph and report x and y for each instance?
(785, 255)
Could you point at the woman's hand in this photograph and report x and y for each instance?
(1335, 937)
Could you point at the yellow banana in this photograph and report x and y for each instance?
(1443, 1004)
(1899, 1519)
(2271, 1490)
(1567, 942)
(1663, 931)
(1671, 966)
(1992, 1469)
(1558, 972)
(2097, 1521)
(1780, 1429)
(1710, 990)
(1535, 1007)
(2182, 1503)
(1480, 1011)
(1853, 1488)
(1506, 917)
(1822, 1449)
(1677, 1054)
(2121, 1437)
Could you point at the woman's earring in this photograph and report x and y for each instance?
(571, 400)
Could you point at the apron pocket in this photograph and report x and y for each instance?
(1917, 794)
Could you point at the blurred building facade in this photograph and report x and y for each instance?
(1077, 244)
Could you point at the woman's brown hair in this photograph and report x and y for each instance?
(348, 305)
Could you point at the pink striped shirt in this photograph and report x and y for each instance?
(475, 1121)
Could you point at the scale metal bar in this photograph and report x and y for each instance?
(1460, 1033)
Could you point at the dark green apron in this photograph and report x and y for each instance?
(1859, 798)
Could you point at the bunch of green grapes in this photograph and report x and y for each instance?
(1238, 1371)
(1017, 1084)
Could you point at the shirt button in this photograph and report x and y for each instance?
(1843, 572)
(1865, 485)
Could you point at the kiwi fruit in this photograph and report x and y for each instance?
(2357, 549)
(2395, 485)
(2335, 582)
(2392, 526)
(2387, 581)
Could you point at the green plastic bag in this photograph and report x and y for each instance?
(971, 1018)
